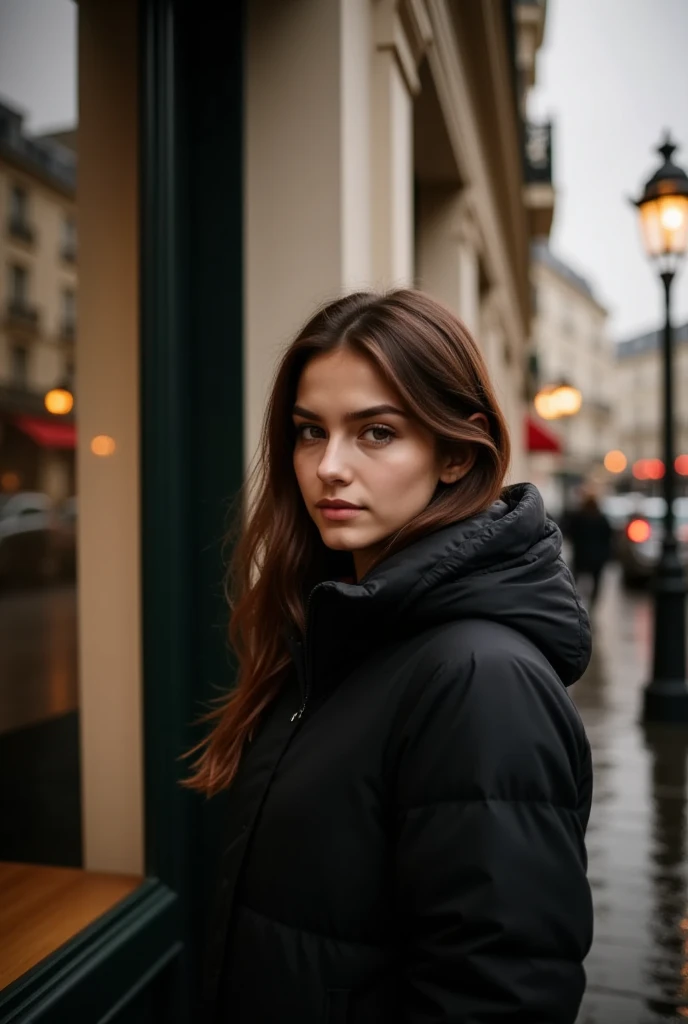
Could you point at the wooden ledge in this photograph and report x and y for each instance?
(44, 907)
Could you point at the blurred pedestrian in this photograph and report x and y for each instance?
(590, 534)
(408, 781)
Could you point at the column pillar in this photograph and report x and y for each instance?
(402, 34)
(448, 252)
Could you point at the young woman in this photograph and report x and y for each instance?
(409, 781)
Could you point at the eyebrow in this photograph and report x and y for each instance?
(362, 414)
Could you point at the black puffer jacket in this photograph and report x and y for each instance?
(411, 849)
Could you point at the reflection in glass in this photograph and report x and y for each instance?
(39, 729)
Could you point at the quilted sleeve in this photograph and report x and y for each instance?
(493, 901)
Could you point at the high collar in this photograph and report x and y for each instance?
(504, 564)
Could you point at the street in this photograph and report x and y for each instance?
(638, 968)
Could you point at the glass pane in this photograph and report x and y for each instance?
(44, 858)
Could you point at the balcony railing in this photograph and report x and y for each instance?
(22, 314)
(20, 229)
(537, 153)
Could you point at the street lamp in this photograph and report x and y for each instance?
(663, 209)
(557, 401)
(59, 400)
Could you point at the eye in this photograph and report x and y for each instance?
(301, 432)
(381, 435)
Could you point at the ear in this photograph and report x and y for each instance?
(460, 463)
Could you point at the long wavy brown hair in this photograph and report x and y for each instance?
(427, 354)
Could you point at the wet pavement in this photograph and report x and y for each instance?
(638, 966)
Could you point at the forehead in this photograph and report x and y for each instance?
(344, 375)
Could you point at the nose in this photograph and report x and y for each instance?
(333, 467)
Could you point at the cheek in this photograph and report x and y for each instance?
(407, 472)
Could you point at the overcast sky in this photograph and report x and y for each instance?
(612, 73)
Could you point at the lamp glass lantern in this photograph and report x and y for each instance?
(663, 209)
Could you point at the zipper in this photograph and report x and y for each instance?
(298, 715)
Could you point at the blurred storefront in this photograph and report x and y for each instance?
(572, 344)
(236, 166)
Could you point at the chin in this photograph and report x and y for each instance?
(335, 541)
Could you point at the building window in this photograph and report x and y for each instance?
(18, 285)
(68, 239)
(19, 366)
(18, 205)
(68, 313)
(18, 214)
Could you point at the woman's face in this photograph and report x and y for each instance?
(356, 444)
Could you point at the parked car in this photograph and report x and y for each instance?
(27, 528)
(640, 543)
(619, 510)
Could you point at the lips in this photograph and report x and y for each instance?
(337, 503)
(335, 512)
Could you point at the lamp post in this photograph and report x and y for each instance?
(663, 209)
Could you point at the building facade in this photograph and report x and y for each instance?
(393, 155)
(639, 397)
(228, 182)
(572, 344)
(38, 291)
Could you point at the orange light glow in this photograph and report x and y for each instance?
(10, 481)
(615, 462)
(59, 401)
(103, 445)
(681, 465)
(638, 530)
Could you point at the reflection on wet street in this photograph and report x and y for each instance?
(638, 967)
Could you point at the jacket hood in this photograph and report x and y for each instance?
(504, 565)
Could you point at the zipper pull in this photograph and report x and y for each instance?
(296, 715)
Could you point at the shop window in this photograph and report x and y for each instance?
(71, 844)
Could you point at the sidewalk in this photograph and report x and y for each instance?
(638, 966)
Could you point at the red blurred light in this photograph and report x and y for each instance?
(648, 469)
(681, 465)
(639, 530)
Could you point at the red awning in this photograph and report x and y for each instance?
(47, 433)
(539, 438)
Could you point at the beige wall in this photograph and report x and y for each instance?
(109, 499)
(332, 91)
(294, 200)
